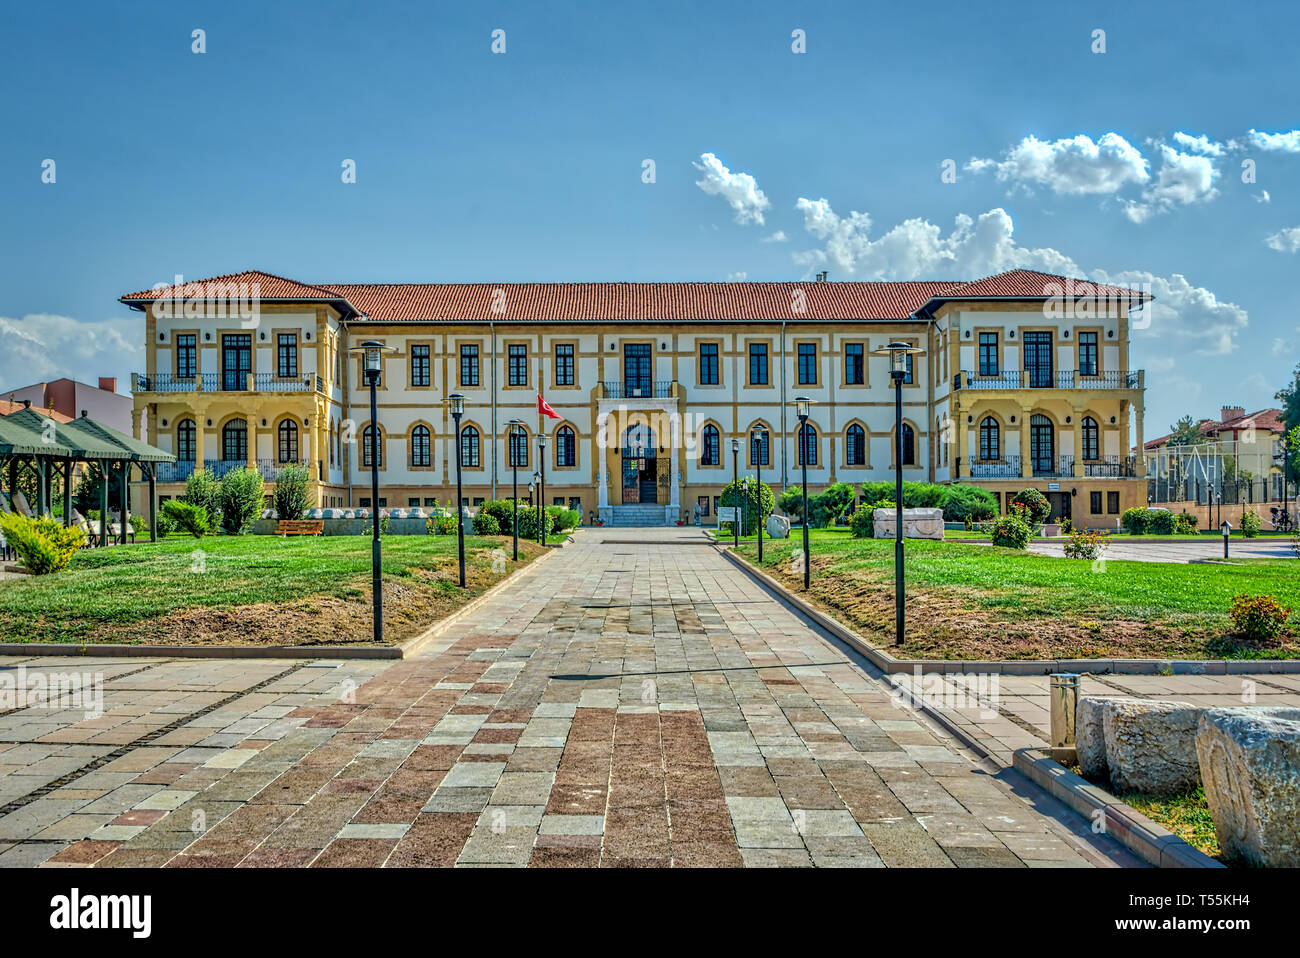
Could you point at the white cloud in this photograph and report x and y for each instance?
(1183, 179)
(1275, 142)
(917, 249)
(777, 237)
(1261, 197)
(1198, 144)
(1075, 165)
(1181, 313)
(41, 347)
(738, 189)
(1285, 241)
(737, 277)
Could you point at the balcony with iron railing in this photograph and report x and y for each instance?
(224, 382)
(1111, 467)
(1049, 379)
(637, 389)
(268, 468)
(1007, 467)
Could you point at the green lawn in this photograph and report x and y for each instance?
(249, 589)
(978, 601)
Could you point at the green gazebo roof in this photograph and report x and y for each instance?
(17, 439)
(84, 438)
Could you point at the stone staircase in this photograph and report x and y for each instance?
(645, 514)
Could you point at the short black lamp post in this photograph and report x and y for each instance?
(802, 407)
(517, 443)
(1285, 456)
(900, 356)
(457, 410)
(758, 443)
(373, 353)
(1227, 528)
(536, 486)
(735, 508)
(541, 488)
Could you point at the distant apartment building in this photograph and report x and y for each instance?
(1025, 380)
(70, 398)
(1252, 441)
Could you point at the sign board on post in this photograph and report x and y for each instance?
(727, 514)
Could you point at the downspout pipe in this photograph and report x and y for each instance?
(492, 326)
(784, 476)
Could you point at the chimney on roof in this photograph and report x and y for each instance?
(108, 384)
(27, 404)
(1231, 412)
(83, 414)
(821, 277)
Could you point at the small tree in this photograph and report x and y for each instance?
(44, 545)
(753, 499)
(1035, 503)
(240, 500)
(203, 490)
(292, 485)
(185, 516)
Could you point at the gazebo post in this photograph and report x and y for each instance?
(122, 500)
(151, 470)
(103, 503)
(67, 492)
(39, 462)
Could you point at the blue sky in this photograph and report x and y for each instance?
(527, 165)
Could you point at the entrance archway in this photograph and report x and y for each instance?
(640, 467)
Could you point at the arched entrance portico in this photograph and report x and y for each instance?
(640, 485)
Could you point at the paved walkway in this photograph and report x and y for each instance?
(1191, 549)
(632, 701)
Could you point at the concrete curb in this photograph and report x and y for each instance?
(1152, 843)
(889, 664)
(387, 652)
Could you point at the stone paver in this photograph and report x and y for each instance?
(631, 702)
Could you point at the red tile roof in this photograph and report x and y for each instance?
(1028, 284)
(599, 302)
(10, 406)
(1265, 420)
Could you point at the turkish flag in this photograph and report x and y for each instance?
(545, 408)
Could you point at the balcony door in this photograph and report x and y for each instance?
(1038, 360)
(236, 360)
(636, 369)
(1041, 445)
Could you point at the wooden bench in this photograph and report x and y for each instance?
(300, 527)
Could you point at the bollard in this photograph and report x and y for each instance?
(1065, 700)
(1227, 527)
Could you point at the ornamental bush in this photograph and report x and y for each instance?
(756, 499)
(44, 545)
(186, 517)
(1011, 532)
(1259, 618)
(503, 510)
(486, 524)
(203, 490)
(528, 528)
(1250, 524)
(1136, 521)
(1161, 522)
(1035, 503)
(1085, 545)
(863, 520)
(292, 485)
(240, 500)
(1185, 524)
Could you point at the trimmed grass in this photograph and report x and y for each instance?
(250, 590)
(1187, 816)
(969, 601)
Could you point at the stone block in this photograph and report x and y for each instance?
(1151, 745)
(778, 527)
(917, 523)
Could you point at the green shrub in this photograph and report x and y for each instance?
(203, 490)
(566, 519)
(186, 517)
(862, 522)
(1085, 545)
(1136, 521)
(967, 504)
(442, 523)
(44, 545)
(1011, 532)
(485, 524)
(1185, 524)
(240, 500)
(292, 491)
(162, 523)
(791, 502)
(750, 500)
(1161, 522)
(502, 510)
(528, 528)
(1250, 523)
(834, 502)
(1035, 503)
(1259, 618)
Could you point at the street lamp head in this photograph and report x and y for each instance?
(897, 352)
(516, 424)
(541, 441)
(758, 434)
(372, 350)
(457, 402)
(802, 406)
(735, 445)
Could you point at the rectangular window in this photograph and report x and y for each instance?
(758, 364)
(702, 503)
(807, 364)
(988, 354)
(518, 365)
(469, 365)
(413, 502)
(564, 364)
(430, 501)
(854, 366)
(286, 366)
(907, 377)
(419, 367)
(1094, 503)
(1087, 354)
(365, 502)
(708, 365)
(1112, 503)
(187, 360)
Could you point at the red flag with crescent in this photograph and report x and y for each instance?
(544, 408)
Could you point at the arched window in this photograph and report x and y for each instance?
(518, 448)
(420, 447)
(909, 445)
(469, 447)
(1091, 439)
(711, 453)
(365, 449)
(186, 441)
(807, 445)
(990, 439)
(760, 451)
(234, 441)
(287, 441)
(566, 447)
(1042, 444)
(855, 445)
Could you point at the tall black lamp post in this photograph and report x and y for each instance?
(516, 432)
(735, 506)
(758, 442)
(373, 352)
(899, 359)
(541, 487)
(457, 410)
(1286, 467)
(802, 406)
(536, 486)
